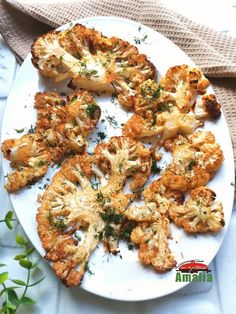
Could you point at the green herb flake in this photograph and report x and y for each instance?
(87, 269)
(110, 216)
(112, 121)
(101, 136)
(20, 130)
(154, 168)
(91, 110)
(191, 164)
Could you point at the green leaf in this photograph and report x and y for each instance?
(12, 297)
(8, 288)
(30, 251)
(8, 223)
(27, 300)
(8, 219)
(36, 282)
(2, 265)
(20, 240)
(19, 257)
(3, 277)
(9, 215)
(25, 263)
(19, 282)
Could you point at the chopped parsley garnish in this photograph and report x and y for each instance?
(114, 98)
(165, 107)
(102, 199)
(101, 136)
(192, 163)
(43, 187)
(95, 185)
(19, 130)
(154, 168)
(31, 129)
(91, 110)
(88, 269)
(41, 163)
(58, 222)
(86, 72)
(138, 41)
(125, 233)
(110, 216)
(112, 121)
(149, 92)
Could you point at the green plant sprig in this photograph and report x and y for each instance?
(8, 220)
(11, 299)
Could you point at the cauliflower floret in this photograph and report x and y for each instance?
(92, 61)
(207, 108)
(153, 244)
(201, 213)
(124, 157)
(158, 199)
(29, 156)
(64, 124)
(196, 158)
(71, 202)
(167, 124)
(183, 83)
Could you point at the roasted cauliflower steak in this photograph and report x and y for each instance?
(71, 203)
(61, 128)
(195, 160)
(92, 61)
(152, 239)
(201, 213)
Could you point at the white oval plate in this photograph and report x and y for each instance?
(116, 278)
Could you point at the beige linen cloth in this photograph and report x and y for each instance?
(214, 52)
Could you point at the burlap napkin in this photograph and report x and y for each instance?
(213, 52)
